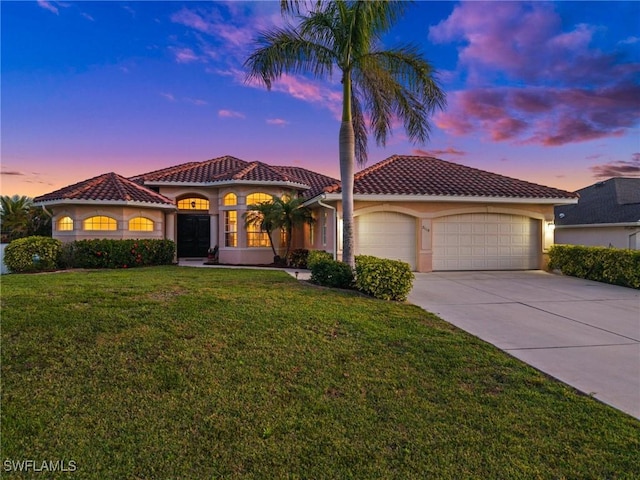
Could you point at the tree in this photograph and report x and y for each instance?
(284, 213)
(19, 218)
(346, 36)
(263, 215)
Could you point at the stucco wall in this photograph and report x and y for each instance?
(598, 236)
(122, 215)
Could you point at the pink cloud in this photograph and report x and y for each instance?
(184, 55)
(619, 168)
(524, 41)
(435, 153)
(230, 114)
(169, 96)
(277, 121)
(48, 6)
(544, 116)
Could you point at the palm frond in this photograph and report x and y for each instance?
(286, 51)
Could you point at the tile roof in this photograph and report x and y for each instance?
(106, 187)
(616, 200)
(192, 172)
(418, 175)
(231, 169)
(316, 181)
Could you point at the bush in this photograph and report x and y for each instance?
(382, 278)
(32, 254)
(329, 273)
(298, 258)
(316, 255)
(610, 265)
(103, 253)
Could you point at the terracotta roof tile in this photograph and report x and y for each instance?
(316, 181)
(193, 172)
(417, 175)
(106, 187)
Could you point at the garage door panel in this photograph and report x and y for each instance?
(485, 241)
(387, 235)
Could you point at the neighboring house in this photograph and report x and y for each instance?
(433, 214)
(607, 214)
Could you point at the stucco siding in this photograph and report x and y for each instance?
(618, 237)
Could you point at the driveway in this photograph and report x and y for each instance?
(584, 333)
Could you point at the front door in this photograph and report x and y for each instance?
(193, 235)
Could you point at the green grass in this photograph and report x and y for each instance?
(207, 373)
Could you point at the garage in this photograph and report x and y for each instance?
(386, 235)
(486, 241)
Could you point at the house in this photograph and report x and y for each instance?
(433, 214)
(607, 214)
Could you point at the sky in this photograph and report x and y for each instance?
(547, 92)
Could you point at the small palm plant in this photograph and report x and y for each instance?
(285, 213)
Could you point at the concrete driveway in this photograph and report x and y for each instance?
(584, 333)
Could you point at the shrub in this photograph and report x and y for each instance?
(298, 258)
(316, 255)
(383, 278)
(330, 273)
(610, 265)
(104, 253)
(32, 254)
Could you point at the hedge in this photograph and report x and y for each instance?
(383, 278)
(298, 258)
(32, 254)
(331, 273)
(610, 265)
(378, 277)
(103, 253)
(316, 255)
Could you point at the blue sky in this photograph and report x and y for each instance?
(545, 92)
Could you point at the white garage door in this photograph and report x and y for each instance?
(486, 241)
(386, 235)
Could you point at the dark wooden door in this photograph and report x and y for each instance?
(193, 235)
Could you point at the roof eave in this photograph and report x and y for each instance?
(109, 203)
(453, 198)
(600, 225)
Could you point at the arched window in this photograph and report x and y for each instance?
(193, 203)
(141, 224)
(65, 224)
(256, 198)
(100, 222)
(230, 199)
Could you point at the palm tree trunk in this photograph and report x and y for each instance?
(347, 160)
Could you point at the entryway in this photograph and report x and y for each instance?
(194, 235)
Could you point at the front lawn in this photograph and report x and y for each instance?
(194, 373)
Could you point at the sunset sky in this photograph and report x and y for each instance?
(545, 92)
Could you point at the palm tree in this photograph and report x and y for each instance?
(284, 213)
(263, 215)
(14, 216)
(292, 214)
(345, 36)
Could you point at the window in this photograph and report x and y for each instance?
(256, 237)
(230, 199)
(312, 231)
(193, 204)
(231, 228)
(256, 198)
(65, 224)
(141, 224)
(100, 222)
